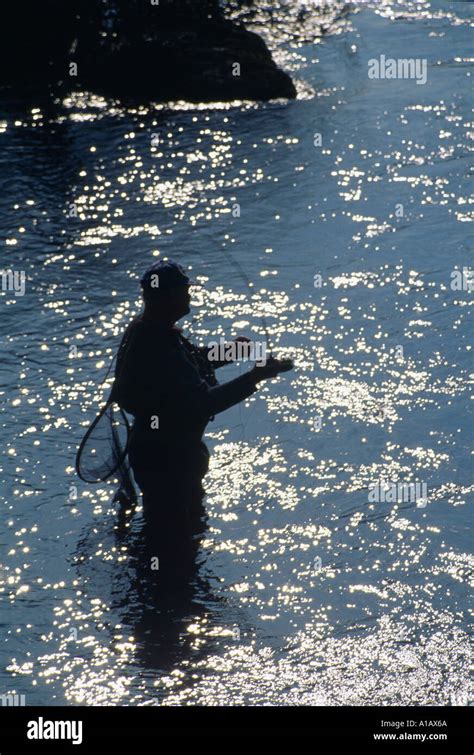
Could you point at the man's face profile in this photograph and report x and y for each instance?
(183, 300)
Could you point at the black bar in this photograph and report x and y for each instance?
(142, 727)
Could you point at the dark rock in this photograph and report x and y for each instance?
(175, 50)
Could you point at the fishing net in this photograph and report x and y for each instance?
(102, 453)
(104, 446)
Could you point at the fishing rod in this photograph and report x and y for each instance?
(249, 285)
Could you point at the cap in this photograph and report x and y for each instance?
(163, 276)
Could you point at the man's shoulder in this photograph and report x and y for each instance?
(148, 336)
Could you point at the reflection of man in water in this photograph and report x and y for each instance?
(169, 385)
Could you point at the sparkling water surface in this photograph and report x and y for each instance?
(307, 591)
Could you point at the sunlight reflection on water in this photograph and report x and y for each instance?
(307, 592)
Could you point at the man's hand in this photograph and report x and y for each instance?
(272, 369)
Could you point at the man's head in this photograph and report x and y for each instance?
(165, 286)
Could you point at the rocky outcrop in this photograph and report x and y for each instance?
(176, 49)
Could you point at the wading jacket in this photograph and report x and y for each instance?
(169, 385)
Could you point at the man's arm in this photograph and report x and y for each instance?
(201, 400)
(163, 375)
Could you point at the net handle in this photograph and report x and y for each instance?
(86, 437)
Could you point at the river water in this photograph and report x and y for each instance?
(308, 591)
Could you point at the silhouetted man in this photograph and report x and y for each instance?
(169, 385)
